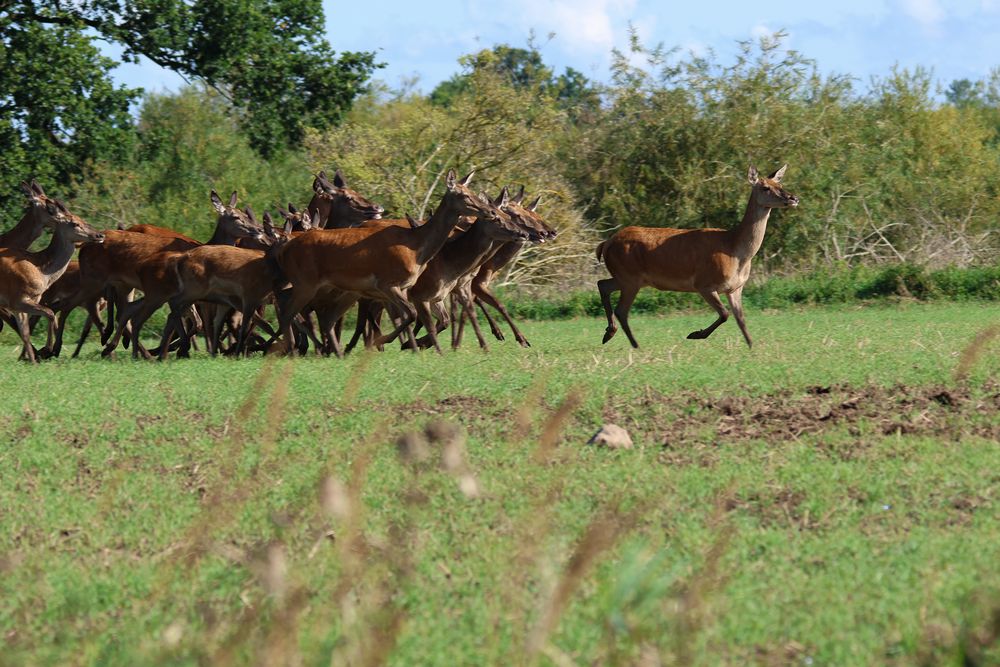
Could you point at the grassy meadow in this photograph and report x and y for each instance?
(831, 497)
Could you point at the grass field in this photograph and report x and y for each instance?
(831, 497)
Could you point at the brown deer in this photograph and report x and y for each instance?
(455, 263)
(125, 261)
(378, 263)
(236, 277)
(24, 275)
(707, 261)
(339, 206)
(540, 231)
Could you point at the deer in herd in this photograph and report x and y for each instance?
(127, 260)
(38, 216)
(527, 217)
(339, 206)
(380, 263)
(235, 277)
(24, 275)
(707, 261)
(457, 260)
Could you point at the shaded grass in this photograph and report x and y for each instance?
(214, 512)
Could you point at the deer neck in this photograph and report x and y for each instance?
(221, 237)
(432, 235)
(52, 261)
(24, 233)
(325, 208)
(749, 234)
(470, 249)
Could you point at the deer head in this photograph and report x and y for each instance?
(526, 217)
(39, 203)
(341, 206)
(72, 227)
(300, 220)
(463, 201)
(233, 222)
(767, 191)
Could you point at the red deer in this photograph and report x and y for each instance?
(378, 263)
(338, 205)
(236, 277)
(707, 261)
(24, 275)
(452, 266)
(479, 285)
(124, 257)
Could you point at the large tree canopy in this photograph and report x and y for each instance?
(58, 107)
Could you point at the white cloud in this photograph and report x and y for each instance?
(583, 26)
(927, 12)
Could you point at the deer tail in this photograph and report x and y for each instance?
(600, 251)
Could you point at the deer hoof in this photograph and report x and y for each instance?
(697, 335)
(609, 333)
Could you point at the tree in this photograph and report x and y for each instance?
(523, 69)
(58, 108)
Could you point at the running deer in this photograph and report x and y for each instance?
(338, 205)
(378, 263)
(24, 275)
(239, 278)
(707, 261)
(452, 266)
(539, 231)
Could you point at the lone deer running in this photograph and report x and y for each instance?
(707, 261)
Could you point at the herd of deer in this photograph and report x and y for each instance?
(335, 255)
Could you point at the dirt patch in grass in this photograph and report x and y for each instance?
(681, 420)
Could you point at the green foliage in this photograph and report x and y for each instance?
(522, 69)
(58, 109)
(397, 152)
(188, 144)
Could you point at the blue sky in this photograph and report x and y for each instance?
(863, 38)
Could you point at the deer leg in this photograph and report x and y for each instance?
(407, 315)
(607, 287)
(145, 312)
(494, 325)
(469, 310)
(425, 316)
(715, 302)
(487, 297)
(124, 315)
(28, 309)
(93, 317)
(621, 311)
(736, 303)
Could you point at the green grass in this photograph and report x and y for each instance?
(171, 513)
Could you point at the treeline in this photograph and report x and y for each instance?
(892, 172)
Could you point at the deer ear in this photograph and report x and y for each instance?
(289, 226)
(284, 214)
(232, 199)
(27, 189)
(468, 178)
(413, 223)
(322, 175)
(37, 188)
(249, 212)
(450, 179)
(534, 204)
(268, 226)
(217, 203)
(291, 208)
(315, 219)
(519, 197)
(338, 179)
(753, 176)
(485, 198)
(778, 175)
(504, 197)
